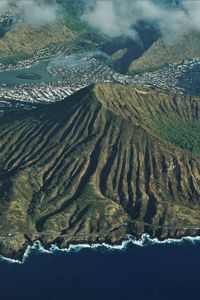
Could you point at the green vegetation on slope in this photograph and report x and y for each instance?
(21, 41)
(172, 117)
(162, 53)
(184, 134)
(93, 169)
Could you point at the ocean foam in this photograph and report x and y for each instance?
(144, 241)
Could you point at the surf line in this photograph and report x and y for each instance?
(144, 241)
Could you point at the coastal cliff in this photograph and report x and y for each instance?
(108, 161)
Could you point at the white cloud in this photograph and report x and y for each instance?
(114, 17)
(4, 6)
(32, 12)
(37, 13)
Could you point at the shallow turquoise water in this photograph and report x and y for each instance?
(10, 77)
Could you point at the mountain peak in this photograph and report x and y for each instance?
(97, 165)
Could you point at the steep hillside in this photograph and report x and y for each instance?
(161, 53)
(94, 167)
(22, 40)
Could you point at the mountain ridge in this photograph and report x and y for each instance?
(94, 168)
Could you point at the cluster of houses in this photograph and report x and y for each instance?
(69, 80)
(49, 52)
(180, 78)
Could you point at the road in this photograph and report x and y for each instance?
(11, 235)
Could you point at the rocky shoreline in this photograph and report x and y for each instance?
(94, 241)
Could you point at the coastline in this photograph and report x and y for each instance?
(144, 241)
(117, 239)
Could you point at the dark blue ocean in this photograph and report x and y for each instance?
(152, 271)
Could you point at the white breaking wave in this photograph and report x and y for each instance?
(144, 241)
